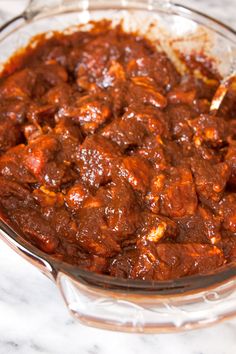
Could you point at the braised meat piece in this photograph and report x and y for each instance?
(122, 210)
(12, 166)
(76, 195)
(147, 62)
(121, 265)
(40, 160)
(209, 129)
(13, 111)
(145, 90)
(36, 229)
(13, 194)
(110, 159)
(59, 95)
(108, 218)
(47, 198)
(18, 85)
(70, 137)
(9, 135)
(171, 261)
(173, 193)
(137, 123)
(202, 227)
(155, 228)
(179, 116)
(124, 132)
(228, 245)
(52, 73)
(210, 180)
(96, 159)
(230, 158)
(178, 96)
(153, 150)
(227, 209)
(151, 118)
(93, 235)
(88, 111)
(137, 171)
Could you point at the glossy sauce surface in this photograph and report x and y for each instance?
(110, 160)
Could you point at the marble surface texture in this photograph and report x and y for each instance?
(33, 318)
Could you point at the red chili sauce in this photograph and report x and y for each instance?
(111, 161)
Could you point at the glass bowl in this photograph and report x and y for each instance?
(99, 300)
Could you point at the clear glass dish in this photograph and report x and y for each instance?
(99, 300)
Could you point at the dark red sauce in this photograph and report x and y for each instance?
(110, 160)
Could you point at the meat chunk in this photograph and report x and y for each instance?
(93, 235)
(152, 149)
(58, 95)
(76, 195)
(96, 159)
(18, 85)
(108, 218)
(40, 160)
(121, 265)
(12, 194)
(36, 229)
(65, 226)
(48, 75)
(92, 115)
(180, 96)
(203, 227)
(9, 135)
(41, 114)
(70, 137)
(121, 209)
(118, 99)
(165, 72)
(155, 228)
(124, 132)
(210, 179)
(155, 65)
(114, 75)
(98, 264)
(31, 131)
(151, 118)
(94, 60)
(48, 198)
(209, 129)
(136, 124)
(137, 171)
(39, 152)
(138, 64)
(179, 116)
(172, 261)
(228, 245)
(11, 165)
(89, 111)
(145, 90)
(227, 209)
(55, 53)
(13, 110)
(173, 193)
(53, 73)
(230, 158)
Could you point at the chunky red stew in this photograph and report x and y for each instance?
(110, 159)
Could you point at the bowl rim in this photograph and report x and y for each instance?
(181, 286)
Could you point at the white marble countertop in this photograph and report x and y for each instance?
(33, 318)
